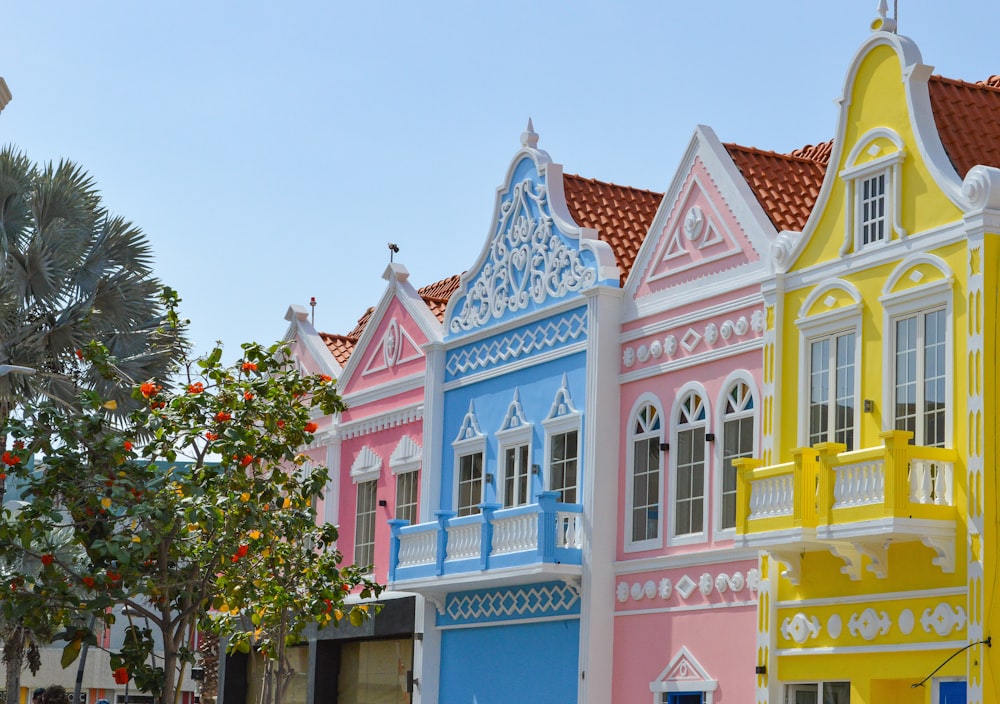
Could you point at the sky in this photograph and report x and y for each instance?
(271, 150)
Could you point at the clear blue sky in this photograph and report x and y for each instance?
(270, 150)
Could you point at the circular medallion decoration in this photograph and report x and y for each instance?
(694, 223)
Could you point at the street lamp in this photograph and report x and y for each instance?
(6, 369)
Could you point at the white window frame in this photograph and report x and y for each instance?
(470, 441)
(683, 394)
(738, 377)
(410, 476)
(515, 434)
(405, 461)
(656, 541)
(790, 687)
(917, 301)
(371, 484)
(854, 176)
(846, 319)
(563, 418)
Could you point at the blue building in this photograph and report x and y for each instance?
(515, 542)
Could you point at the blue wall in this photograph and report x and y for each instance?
(534, 663)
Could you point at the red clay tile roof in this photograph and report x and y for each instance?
(786, 185)
(340, 346)
(620, 214)
(967, 116)
(436, 295)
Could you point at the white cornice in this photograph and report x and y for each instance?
(384, 391)
(563, 306)
(691, 559)
(873, 597)
(730, 306)
(392, 419)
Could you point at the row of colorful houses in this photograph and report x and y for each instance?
(731, 442)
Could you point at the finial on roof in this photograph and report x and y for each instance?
(528, 137)
(883, 23)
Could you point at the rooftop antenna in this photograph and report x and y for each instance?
(883, 23)
(312, 304)
(393, 249)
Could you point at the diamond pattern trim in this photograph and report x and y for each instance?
(522, 343)
(522, 601)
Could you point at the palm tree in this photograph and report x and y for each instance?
(71, 273)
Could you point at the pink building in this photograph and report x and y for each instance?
(691, 389)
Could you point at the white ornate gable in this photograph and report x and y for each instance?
(534, 254)
(562, 404)
(514, 417)
(470, 426)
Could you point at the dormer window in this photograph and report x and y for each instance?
(872, 179)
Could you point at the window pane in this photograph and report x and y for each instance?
(364, 524)
(819, 390)
(645, 488)
(406, 497)
(844, 428)
(470, 484)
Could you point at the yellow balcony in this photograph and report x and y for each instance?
(851, 503)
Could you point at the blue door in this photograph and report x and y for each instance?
(951, 693)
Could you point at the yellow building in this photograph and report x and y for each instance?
(875, 499)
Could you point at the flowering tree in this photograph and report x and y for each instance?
(215, 526)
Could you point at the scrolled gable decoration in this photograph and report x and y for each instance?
(528, 262)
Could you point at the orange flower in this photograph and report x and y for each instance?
(223, 416)
(310, 427)
(249, 367)
(3, 476)
(127, 445)
(89, 582)
(212, 436)
(47, 559)
(121, 675)
(247, 459)
(196, 388)
(10, 459)
(325, 378)
(19, 444)
(148, 389)
(79, 354)
(281, 424)
(248, 396)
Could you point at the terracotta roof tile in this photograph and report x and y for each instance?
(436, 295)
(786, 185)
(621, 215)
(340, 346)
(967, 116)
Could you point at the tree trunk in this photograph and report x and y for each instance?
(13, 655)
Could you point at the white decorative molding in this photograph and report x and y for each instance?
(694, 223)
(666, 588)
(514, 417)
(722, 583)
(637, 591)
(393, 419)
(981, 188)
(395, 347)
(656, 349)
(649, 588)
(757, 321)
(686, 586)
(705, 584)
(906, 622)
(670, 345)
(525, 341)
(727, 329)
(562, 404)
(690, 340)
(944, 549)
(532, 600)
(528, 262)
(367, 466)
(622, 592)
(869, 624)
(628, 357)
(800, 628)
(711, 333)
(737, 582)
(684, 674)
(942, 619)
(753, 579)
(834, 625)
(469, 429)
(642, 354)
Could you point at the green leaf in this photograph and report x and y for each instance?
(70, 653)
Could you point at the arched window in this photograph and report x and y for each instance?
(689, 487)
(737, 441)
(645, 505)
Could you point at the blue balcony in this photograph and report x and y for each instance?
(495, 547)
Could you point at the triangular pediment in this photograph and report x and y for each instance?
(684, 673)
(396, 347)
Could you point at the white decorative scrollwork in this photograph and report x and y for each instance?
(705, 583)
(942, 619)
(869, 624)
(622, 592)
(742, 325)
(781, 250)
(800, 628)
(628, 357)
(642, 353)
(650, 589)
(727, 330)
(981, 187)
(737, 582)
(656, 349)
(666, 588)
(757, 321)
(722, 583)
(711, 333)
(637, 591)
(753, 579)
(528, 262)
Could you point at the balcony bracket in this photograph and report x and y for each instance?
(438, 600)
(791, 561)
(945, 549)
(853, 555)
